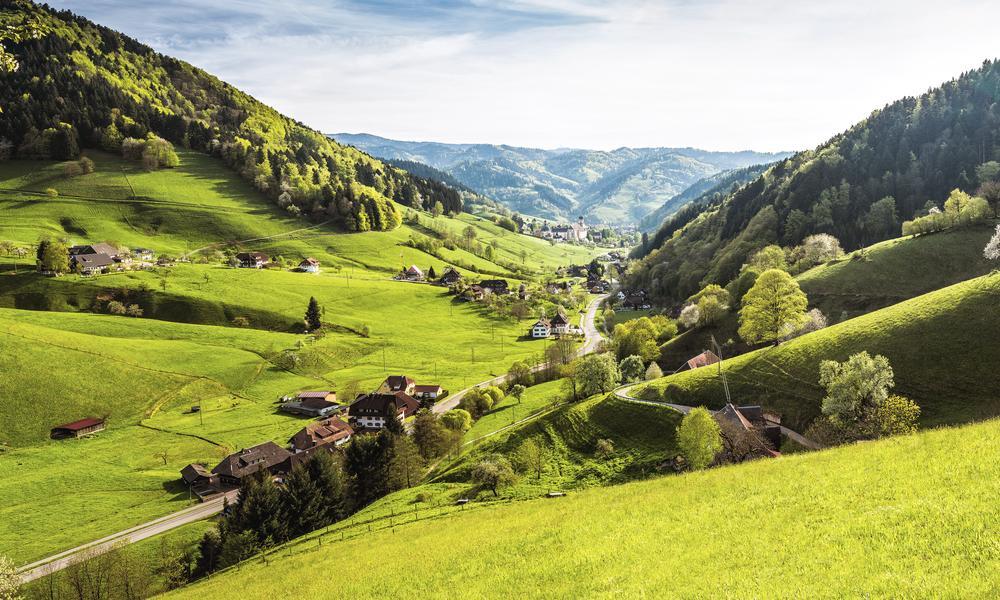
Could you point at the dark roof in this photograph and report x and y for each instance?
(398, 383)
(543, 322)
(249, 461)
(309, 261)
(315, 403)
(81, 424)
(383, 404)
(99, 248)
(450, 274)
(559, 319)
(194, 472)
(94, 260)
(426, 388)
(252, 256)
(500, 284)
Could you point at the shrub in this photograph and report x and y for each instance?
(134, 310)
(604, 449)
(52, 192)
(116, 308)
(699, 438)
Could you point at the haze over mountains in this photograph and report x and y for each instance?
(617, 187)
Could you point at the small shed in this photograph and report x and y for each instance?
(77, 428)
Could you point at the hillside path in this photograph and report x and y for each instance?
(592, 339)
(60, 561)
(623, 393)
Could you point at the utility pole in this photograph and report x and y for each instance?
(722, 373)
(383, 359)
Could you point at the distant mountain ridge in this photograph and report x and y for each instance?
(618, 186)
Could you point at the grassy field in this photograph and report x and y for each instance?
(203, 204)
(897, 270)
(145, 374)
(642, 436)
(941, 346)
(889, 519)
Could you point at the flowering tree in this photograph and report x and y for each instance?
(992, 249)
(690, 315)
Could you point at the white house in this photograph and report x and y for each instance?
(541, 329)
(309, 265)
(559, 324)
(430, 392)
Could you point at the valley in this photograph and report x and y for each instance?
(240, 358)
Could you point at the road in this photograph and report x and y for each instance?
(60, 561)
(592, 339)
(623, 393)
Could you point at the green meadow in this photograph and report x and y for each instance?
(941, 346)
(146, 374)
(894, 518)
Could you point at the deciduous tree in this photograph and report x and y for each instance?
(698, 438)
(774, 306)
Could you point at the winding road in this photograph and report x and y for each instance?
(623, 393)
(592, 340)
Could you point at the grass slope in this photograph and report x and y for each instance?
(888, 519)
(941, 347)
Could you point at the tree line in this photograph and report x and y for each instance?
(80, 85)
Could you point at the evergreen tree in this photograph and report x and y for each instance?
(302, 502)
(328, 477)
(431, 274)
(313, 315)
(258, 511)
(366, 462)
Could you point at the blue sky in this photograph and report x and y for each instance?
(716, 74)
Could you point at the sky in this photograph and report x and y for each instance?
(766, 75)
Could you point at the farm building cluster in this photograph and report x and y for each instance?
(102, 257)
(398, 396)
(259, 260)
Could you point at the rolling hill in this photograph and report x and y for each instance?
(823, 516)
(616, 187)
(914, 151)
(939, 344)
(75, 84)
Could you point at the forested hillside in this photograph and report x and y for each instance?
(69, 84)
(617, 186)
(708, 191)
(859, 186)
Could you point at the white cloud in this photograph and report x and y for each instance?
(723, 74)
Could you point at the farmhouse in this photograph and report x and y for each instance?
(451, 276)
(90, 264)
(495, 286)
(143, 254)
(704, 359)
(397, 383)
(77, 429)
(412, 274)
(329, 431)
(309, 265)
(427, 392)
(559, 324)
(541, 329)
(475, 292)
(372, 411)
(252, 260)
(312, 404)
(262, 457)
(99, 248)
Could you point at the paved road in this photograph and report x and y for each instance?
(60, 561)
(623, 393)
(592, 338)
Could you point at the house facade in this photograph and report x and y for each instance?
(495, 286)
(427, 392)
(309, 265)
(372, 411)
(541, 329)
(450, 277)
(252, 260)
(413, 273)
(559, 324)
(397, 383)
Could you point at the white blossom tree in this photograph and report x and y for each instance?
(992, 249)
(690, 315)
(10, 581)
